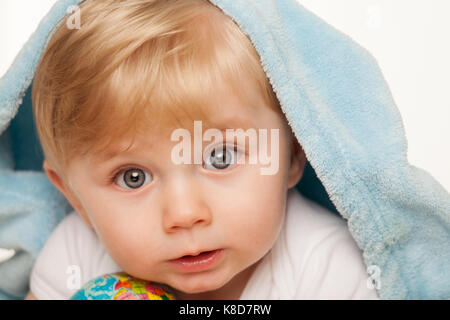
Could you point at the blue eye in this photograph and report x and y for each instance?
(222, 157)
(132, 178)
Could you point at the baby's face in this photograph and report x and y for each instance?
(155, 211)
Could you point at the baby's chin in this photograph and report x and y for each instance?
(198, 284)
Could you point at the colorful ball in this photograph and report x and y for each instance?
(121, 286)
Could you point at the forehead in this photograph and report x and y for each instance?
(151, 138)
(225, 109)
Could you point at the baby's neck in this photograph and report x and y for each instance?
(231, 291)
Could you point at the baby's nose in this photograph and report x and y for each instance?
(183, 206)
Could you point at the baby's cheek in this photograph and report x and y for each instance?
(255, 225)
(124, 242)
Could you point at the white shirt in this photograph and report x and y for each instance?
(314, 257)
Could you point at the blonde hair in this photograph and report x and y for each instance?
(130, 64)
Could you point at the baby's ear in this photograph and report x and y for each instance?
(297, 162)
(62, 186)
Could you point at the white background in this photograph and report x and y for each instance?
(409, 38)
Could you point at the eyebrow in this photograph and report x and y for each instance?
(232, 123)
(108, 155)
(222, 125)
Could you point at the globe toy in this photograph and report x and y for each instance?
(121, 286)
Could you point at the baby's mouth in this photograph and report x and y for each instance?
(197, 262)
(194, 257)
(196, 253)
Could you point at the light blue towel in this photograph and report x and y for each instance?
(342, 112)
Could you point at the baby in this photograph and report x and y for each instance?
(108, 98)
